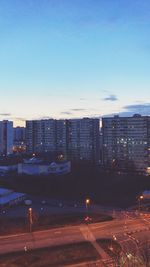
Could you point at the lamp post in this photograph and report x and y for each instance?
(87, 204)
(140, 199)
(30, 214)
(111, 241)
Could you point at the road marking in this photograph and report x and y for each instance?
(57, 232)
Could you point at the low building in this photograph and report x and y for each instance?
(9, 197)
(44, 168)
(9, 164)
(8, 168)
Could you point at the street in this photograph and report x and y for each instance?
(123, 230)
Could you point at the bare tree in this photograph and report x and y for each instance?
(144, 253)
(140, 258)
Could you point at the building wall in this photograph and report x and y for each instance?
(83, 139)
(61, 138)
(19, 134)
(8, 168)
(76, 139)
(40, 136)
(126, 142)
(19, 144)
(6, 137)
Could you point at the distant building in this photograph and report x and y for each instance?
(76, 139)
(19, 144)
(40, 136)
(62, 138)
(8, 168)
(83, 140)
(101, 146)
(6, 137)
(126, 143)
(19, 133)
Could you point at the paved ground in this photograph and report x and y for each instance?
(124, 231)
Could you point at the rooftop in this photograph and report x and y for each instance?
(4, 191)
(8, 198)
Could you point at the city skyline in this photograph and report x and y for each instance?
(72, 59)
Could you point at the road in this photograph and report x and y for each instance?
(124, 231)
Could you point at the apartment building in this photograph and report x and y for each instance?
(40, 136)
(19, 144)
(62, 138)
(76, 139)
(126, 142)
(6, 137)
(83, 139)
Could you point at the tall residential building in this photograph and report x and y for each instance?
(126, 142)
(76, 139)
(6, 137)
(83, 139)
(19, 134)
(19, 145)
(40, 136)
(61, 138)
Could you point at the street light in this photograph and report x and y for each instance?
(111, 242)
(140, 199)
(30, 214)
(87, 204)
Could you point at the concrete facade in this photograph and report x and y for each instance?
(126, 143)
(76, 139)
(6, 137)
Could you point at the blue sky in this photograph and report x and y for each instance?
(74, 58)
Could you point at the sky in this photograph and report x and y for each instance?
(74, 58)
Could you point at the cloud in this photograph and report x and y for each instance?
(66, 113)
(110, 98)
(130, 110)
(5, 114)
(71, 111)
(78, 109)
(143, 109)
